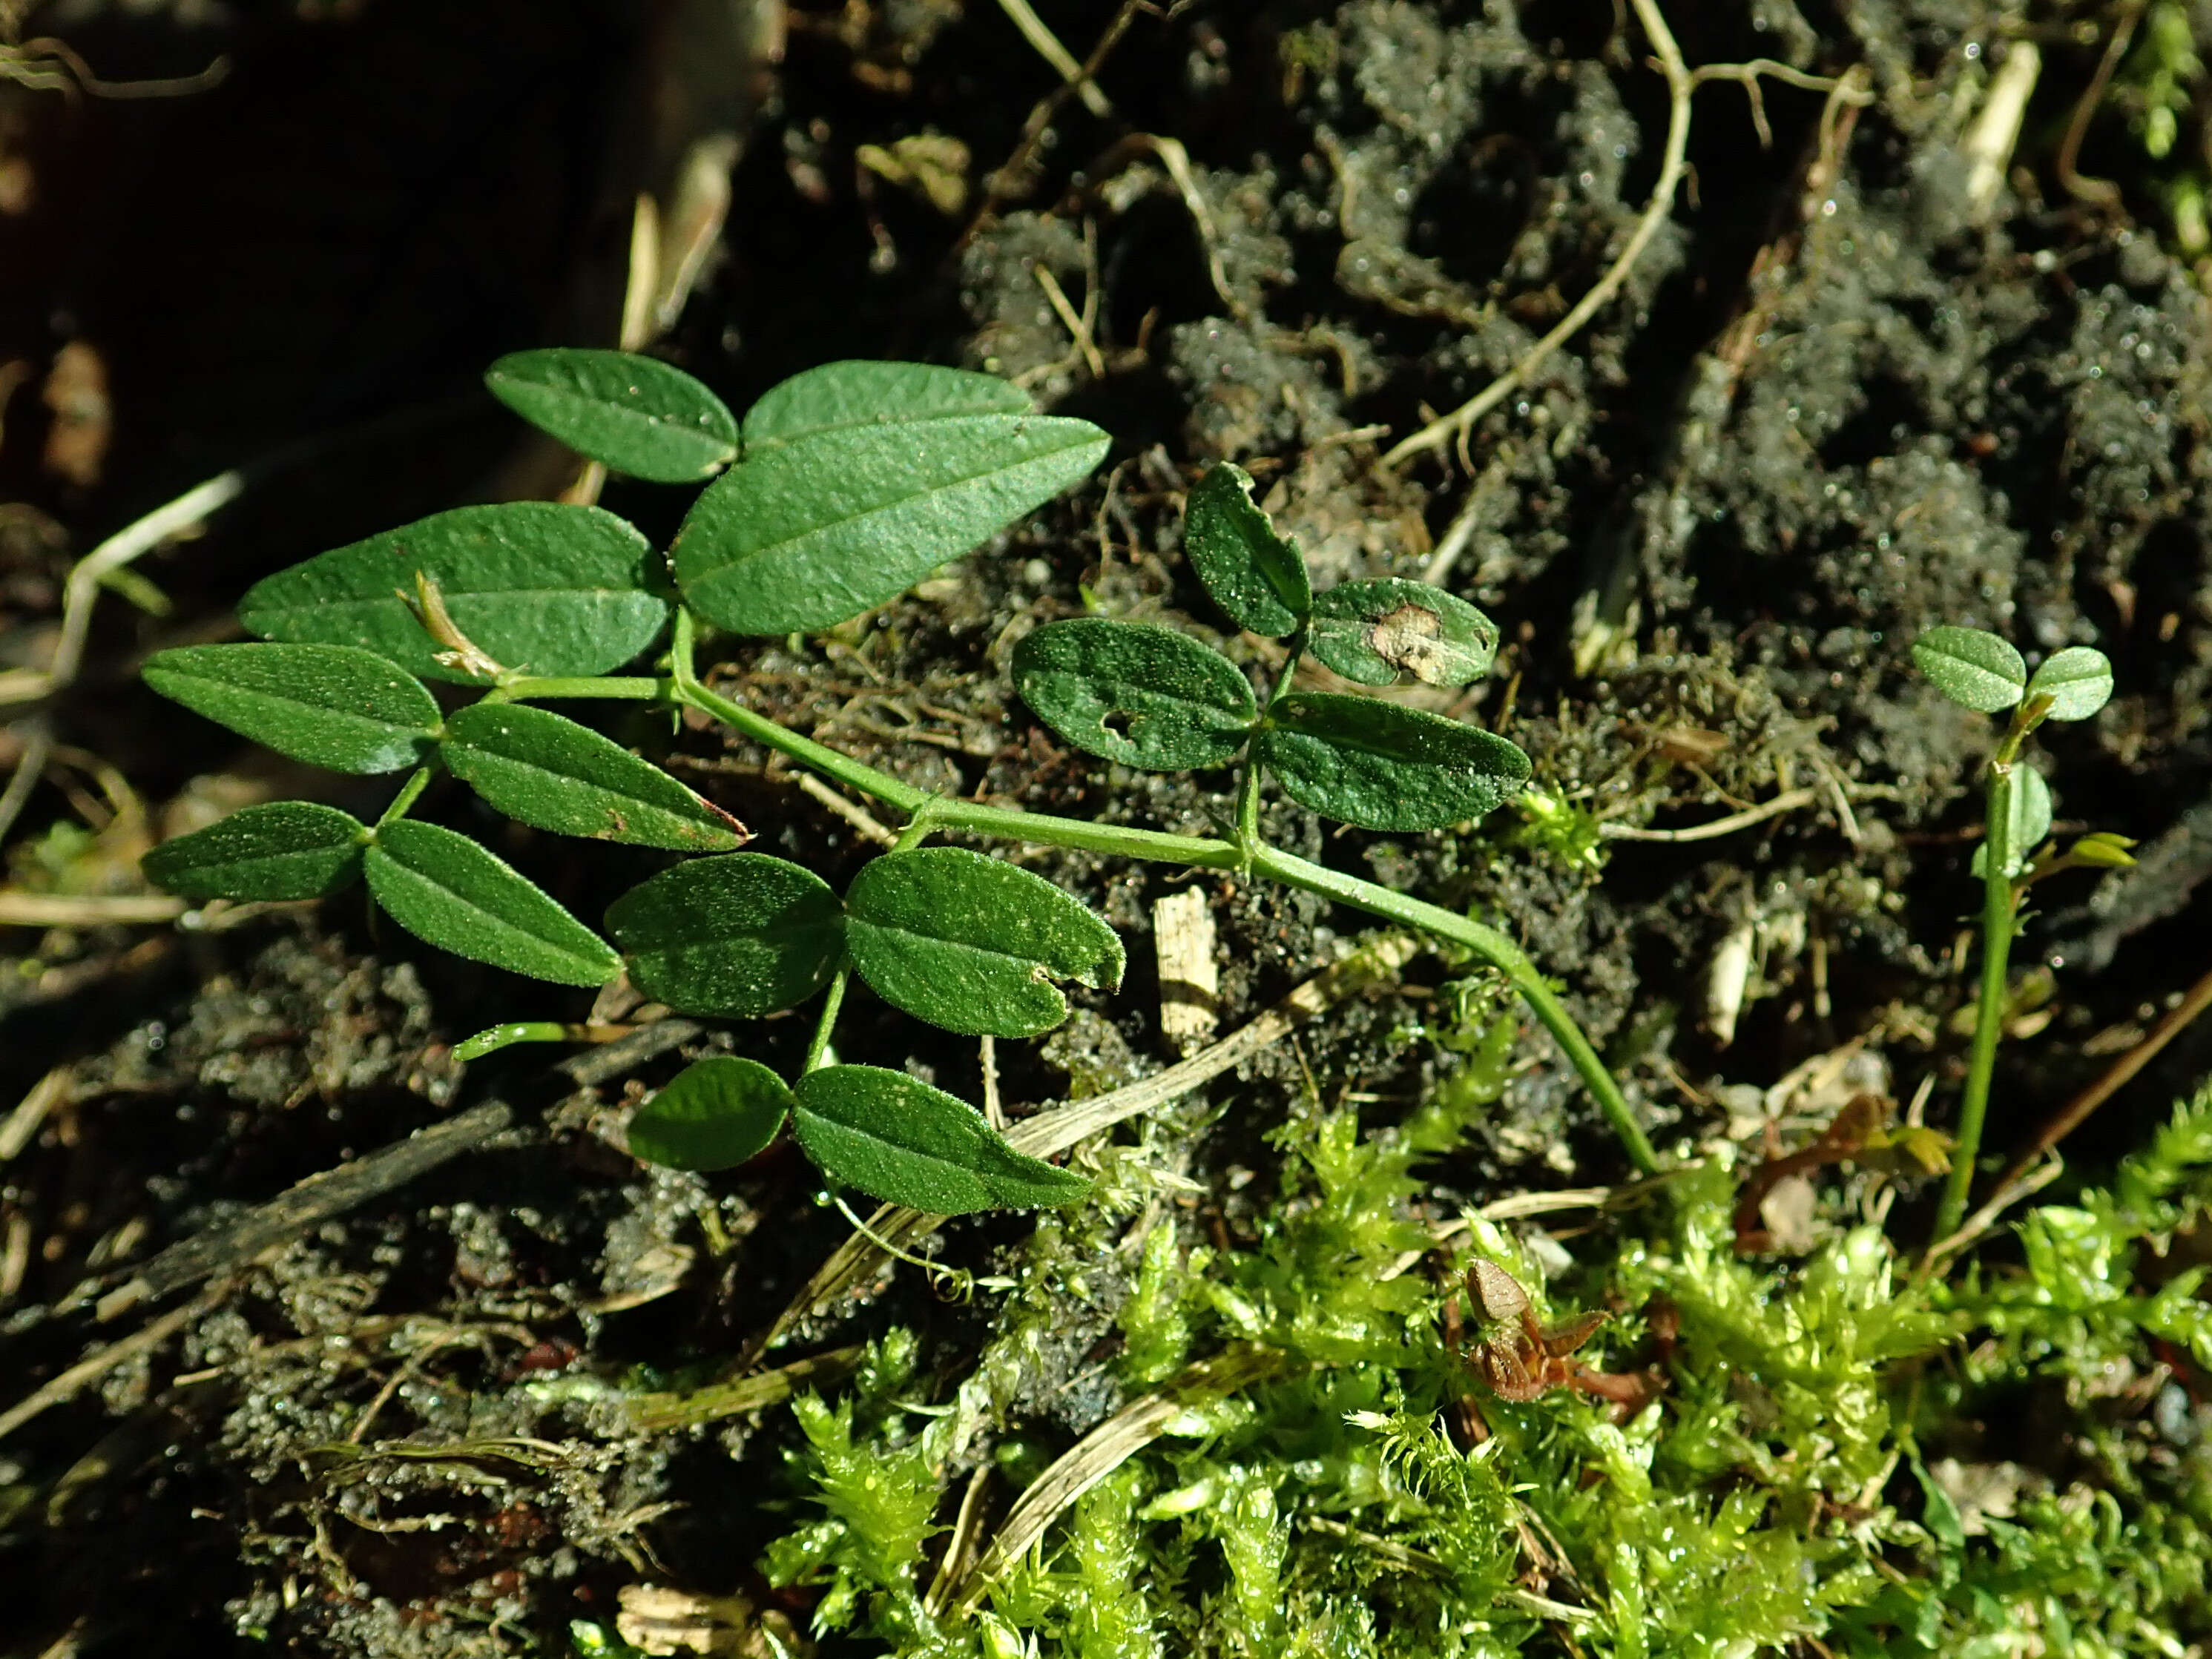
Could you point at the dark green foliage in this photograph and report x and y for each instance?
(633, 414)
(1136, 692)
(544, 770)
(538, 586)
(898, 1140)
(1253, 574)
(715, 1114)
(1384, 766)
(444, 888)
(329, 705)
(973, 944)
(1373, 631)
(743, 934)
(290, 850)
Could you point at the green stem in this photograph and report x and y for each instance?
(937, 813)
(1999, 905)
(635, 689)
(832, 1000)
(1247, 787)
(410, 792)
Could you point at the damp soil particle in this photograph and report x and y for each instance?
(1834, 403)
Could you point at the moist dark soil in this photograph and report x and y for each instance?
(1846, 394)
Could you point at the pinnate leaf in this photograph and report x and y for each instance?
(445, 889)
(1384, 767)
(540, 586)
(547, 771)
(329, 705)
(898, 1140)
(715, 1113)
(2078, 681)
(1971, 667)
(1372, 631)
(1255, 575)
(290, 850)
(973, 944)
(743, 934)
(852, 490)
(1136, 692)
(636, 415)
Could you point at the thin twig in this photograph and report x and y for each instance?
(870, 826)
(1748, 74)
(1062, 60)
(99, 1364)
(86, 910)
(82, 587)
(2103, 192)
(1000, 183)
(1447, 427)
(30, 767)
(1789, 801)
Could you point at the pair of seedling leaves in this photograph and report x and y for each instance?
(842, 487)
(1978, 670)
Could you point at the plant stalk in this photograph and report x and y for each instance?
(1206, 853)
(1999, 904)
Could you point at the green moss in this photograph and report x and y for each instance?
(1793, 1484)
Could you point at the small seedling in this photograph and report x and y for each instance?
(1521, 1359)
(1979, 670)
(839, 489)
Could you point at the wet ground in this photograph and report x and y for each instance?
(1850, 389)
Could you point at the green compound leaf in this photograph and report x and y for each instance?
(1255, 575)
(851, 491)
(443, 887)
(290, 850)
(2029, 821)
(2078, 681)
(549, 772)
(743, 934)
(716, 1114)
(972, 943)
(901, 1141)
(540, 586)
(1136, 692)
(1974, 669)
(636, 415)
(1383, 767)
(1372, 631)
(329, 705)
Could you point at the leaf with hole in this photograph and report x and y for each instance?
(1384, 767)
(287, 849)
(635, 415)
(1974, 669)
(2028, 821)
(715, 1113)
(539, 587)
(547, 771)
(1136, 692)
(1372, 631)
(443, 887)
(2078, 681)
(898, 1140)
(852, 490)
(329, 705)
(742, 934)
(1255, 575)
(972, 943)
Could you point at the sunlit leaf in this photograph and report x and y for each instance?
(973, 944)
(858, 480)
(715, 1113)
(1136, 693)
(2078, 681)
(1384, 767)
(2028, 823)
(898, 1140)
(291, 850)
(1973, 668)
(547, 771)
(330, 705)
(538, 586)
(636, 415)
(742, 934)
(1372, 631)
(445, 889)
(1255, 575)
